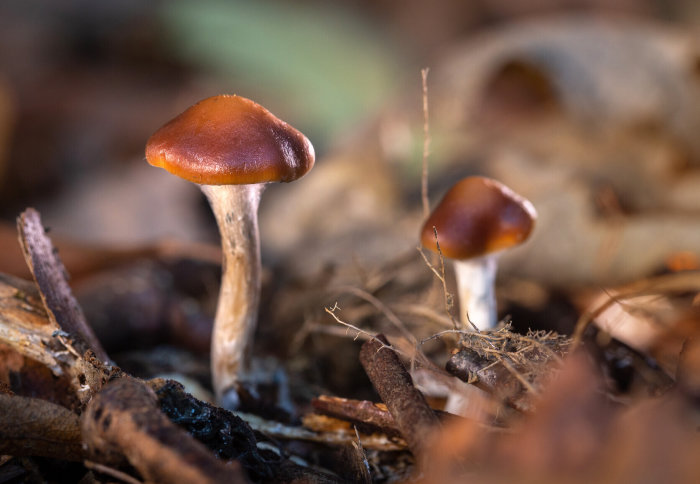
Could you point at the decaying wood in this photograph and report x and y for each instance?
(35, 427)
(50, 275)
(26, 328)
(414, 418)
(124, 419)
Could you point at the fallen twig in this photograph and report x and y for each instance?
(414, 418)
(360, 412)
(50, 276)
(365, 414)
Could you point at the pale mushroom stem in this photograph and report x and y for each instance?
(236, 210)
(476, 280)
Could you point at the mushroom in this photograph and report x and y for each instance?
(232, 147)
(475, 221)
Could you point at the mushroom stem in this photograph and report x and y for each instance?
(475, 284)
(236, 210)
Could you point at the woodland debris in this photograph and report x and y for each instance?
(124, 420)
(321, 429)
(222, 432)
(510, 366)
(365, 414)
(229, 436)
(359, 412)
(36, 427)
(414, 418)
(51, 278)
(26, 329)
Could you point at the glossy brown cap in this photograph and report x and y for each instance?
(478, 216)
(230, 140)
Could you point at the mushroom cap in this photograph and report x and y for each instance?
(478, 216)
(230, 140)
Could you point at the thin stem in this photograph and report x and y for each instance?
(426, 144)
(236, 210)
(475, 284)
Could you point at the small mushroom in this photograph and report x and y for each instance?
(232, 147)
(475, 221)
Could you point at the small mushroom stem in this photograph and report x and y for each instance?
(476, 280)
(236, 210)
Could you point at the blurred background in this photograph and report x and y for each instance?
(83, 85)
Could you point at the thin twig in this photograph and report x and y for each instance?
(381, 307)
(50, 276)
(426, 144)
(359, 331)
(430, 265)
(424, 312)
(448, 297)
(110, 471)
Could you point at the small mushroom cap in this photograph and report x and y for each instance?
(230, 140)
(476, 217)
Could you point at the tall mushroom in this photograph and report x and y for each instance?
(232, 147)
(475, 221)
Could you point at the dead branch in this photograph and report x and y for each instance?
(50, 276)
